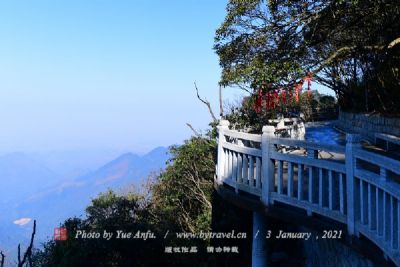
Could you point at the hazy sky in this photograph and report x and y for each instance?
(105, 74)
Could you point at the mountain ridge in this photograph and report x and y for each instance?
(51, 205)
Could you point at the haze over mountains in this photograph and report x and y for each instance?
(30, 189)
(20, 174)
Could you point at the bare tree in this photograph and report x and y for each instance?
(221, 109)
(28, 251)
(205, 102)
(196, 133)
(2, 259)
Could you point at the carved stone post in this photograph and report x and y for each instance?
(223, 125)
(352, 142)
(268, 166)
(312, 179)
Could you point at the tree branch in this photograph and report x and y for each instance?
(221, 109)
(19, 255)
(28, 251)
(2, 259)
(196, 133)
(201, 193)
(205, 102)
(244, 89)
(394, 42)
(343, 51)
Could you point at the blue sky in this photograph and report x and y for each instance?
(105, 74)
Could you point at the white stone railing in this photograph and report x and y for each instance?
(353, 186)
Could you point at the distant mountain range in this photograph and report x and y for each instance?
(30, 190)
(19, 174)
